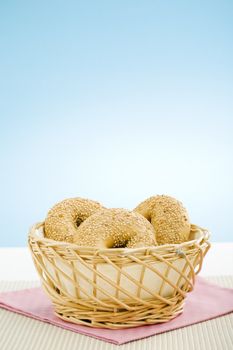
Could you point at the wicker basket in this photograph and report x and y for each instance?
(120, 287)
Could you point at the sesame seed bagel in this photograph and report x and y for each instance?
(115, 228)
(64, 218)
(168, 217)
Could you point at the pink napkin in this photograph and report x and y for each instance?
(207, 301)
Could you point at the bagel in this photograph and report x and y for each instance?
(64, 218)
(115, 228)
(168, 217)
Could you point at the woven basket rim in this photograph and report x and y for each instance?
(204, 236)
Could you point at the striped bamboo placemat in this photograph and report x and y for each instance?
(23, 333)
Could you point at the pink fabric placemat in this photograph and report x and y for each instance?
(207, 301)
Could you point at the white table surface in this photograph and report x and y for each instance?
(16, 263)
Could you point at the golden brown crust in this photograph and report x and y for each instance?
(168, 217)
(112, 228)
(64, 217)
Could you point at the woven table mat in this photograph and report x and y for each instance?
(23, 333)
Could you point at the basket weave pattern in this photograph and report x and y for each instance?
(117, 288)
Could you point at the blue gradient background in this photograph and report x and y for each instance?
(116, 101)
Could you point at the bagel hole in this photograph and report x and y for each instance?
(78, 222)
(121, 245)
(110, 243)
